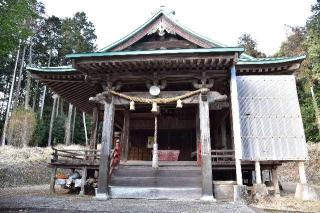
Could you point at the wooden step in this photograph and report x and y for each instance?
(161, 172)
(158, 193)
(165, 182)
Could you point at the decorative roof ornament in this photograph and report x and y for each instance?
(162, 28)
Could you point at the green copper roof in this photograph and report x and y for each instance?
(156, 52)
(52, 69)
(252, 61)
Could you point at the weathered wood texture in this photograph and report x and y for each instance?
(94, 128)
(106, 144)
(125, 135)
(205, 147)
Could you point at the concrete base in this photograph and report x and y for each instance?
(307, 192)
(102, 196)
(240, 193)
(259, 189)
(223, 190)
(207, 198)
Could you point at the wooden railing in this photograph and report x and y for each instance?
(80, 156)
(223, 156)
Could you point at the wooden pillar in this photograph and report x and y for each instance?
(302, 172)
(106, 144)
(205, 141)
(53, 179)
(83, 179)
(94, 128)
(223, 133)
(125, 135)
(258, 172)
(197, 134)
(275, 182)
(236, 124)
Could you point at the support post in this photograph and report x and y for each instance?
(258, 172)
(53, 179)
(302, 172)
(236, 124)
(198, 136)
(83, 180)
(155, 159)
(94, 128)
(207, 192)
(106, 143)
(224, 134)
(125, 135)
(275, 182)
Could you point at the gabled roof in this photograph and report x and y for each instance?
(166, 16)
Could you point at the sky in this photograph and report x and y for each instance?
(223, 21)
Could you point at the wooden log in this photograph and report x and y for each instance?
(125, 135)
(207, 193)
(106, 143)
(53, 179)
(94, 128)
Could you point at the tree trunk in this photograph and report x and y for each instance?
(5, 127)
(52, 120)
(45, 88)
(17, 95)
(85, 127)
(34, 100)
(42, 101)
(58, 104)
(315, 106)
(27, 97)
(67, 134)
(73, 124)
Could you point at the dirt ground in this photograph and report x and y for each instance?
(38, 199)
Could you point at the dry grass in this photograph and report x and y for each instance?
(288, 203)
(12, 155)
(288, 172)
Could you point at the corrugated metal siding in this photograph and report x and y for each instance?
(270, 118)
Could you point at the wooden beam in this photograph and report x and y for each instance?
(106, 143)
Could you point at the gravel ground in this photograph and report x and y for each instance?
(37, 199)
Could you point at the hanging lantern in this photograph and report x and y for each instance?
(132, 106)
(179, 103)
(154, 107)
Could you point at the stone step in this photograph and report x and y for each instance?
(155, 193)
(173, 182)
(162, 172)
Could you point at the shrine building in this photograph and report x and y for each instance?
(180, 116)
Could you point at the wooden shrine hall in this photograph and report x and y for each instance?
(180, 116)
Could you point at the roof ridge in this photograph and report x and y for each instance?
(168, 14)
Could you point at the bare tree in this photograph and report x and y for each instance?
(67, 135)
(5, 127)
